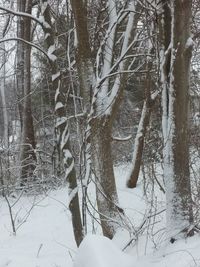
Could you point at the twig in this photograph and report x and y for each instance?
(40, 247)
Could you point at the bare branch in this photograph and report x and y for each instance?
(26, 42)
(23, 14)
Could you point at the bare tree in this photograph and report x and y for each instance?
(106, 95)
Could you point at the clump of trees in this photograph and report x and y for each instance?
(74, 63)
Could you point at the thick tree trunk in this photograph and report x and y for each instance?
(102, 164)
(175, 123)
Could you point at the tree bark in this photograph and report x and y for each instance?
(142, 128)
(62, 129)
(139, 146)
(175, 122)
(83, 52)
(85, 74)
(28, 157)
(21, 4)
(3, 98)
(102, 167)
(106, 97)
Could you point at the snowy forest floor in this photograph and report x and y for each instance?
(44, 236)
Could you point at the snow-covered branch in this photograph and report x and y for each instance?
(24, 14)
(26, 42)
(122, 139)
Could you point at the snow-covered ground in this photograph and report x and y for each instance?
(44, 236)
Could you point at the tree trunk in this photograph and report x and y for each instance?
(62, 129)
(175, 123)
(83, 52)
(5, 175)
(142, 127)
(105, 99)
(85, 75)
(21, 4)
(139, 146)
(102, 167)
(3, 97)
(28, 157)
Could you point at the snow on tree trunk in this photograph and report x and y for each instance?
(105, 103)
(175, 122)
(62, 129)
(139, 146)
(86, 78)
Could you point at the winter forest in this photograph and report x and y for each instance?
(100, 133)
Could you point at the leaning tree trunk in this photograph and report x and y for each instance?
(27, 156)
(142, 127)
(139, 146)
(175, 123)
